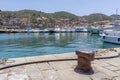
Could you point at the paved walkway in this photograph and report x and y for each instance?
(104, 69)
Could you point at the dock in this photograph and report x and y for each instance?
(60, 67)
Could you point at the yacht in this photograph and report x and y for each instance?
(111, 34)
(111, 37)
(114, 26)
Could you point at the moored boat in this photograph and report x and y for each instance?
(80, 29)
(111, 37)
(94, 30)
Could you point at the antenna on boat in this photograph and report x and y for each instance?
(116, 12)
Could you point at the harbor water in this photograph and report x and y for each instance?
(36, 44)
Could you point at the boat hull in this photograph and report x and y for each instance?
(111, 39)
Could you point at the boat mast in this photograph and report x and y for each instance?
(116, 14)
(116, 11)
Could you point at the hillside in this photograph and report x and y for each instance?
(97, 17)
(64, 15)
(34, 18)
(35, 14)
(114, 16)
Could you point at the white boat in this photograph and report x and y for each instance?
(35, 30)
(70, 29)
(111, 37)
(114, 26)
(57, 29)
(45, 30)
(111, 33)
(65, 29)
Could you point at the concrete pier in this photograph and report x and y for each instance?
(104, 69)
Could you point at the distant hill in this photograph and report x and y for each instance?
(24, 17)
(64, 15)
(97, 17)
(34, 13)
(36, 18)
(114, 16)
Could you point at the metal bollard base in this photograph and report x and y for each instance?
(84, 61)
(82, 71)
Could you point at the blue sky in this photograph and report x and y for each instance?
(78, 7)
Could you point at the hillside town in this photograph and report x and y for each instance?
(41, 20)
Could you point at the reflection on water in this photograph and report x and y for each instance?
(33, 44)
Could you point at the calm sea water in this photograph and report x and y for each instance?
(36, 44)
